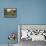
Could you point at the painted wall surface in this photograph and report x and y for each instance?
(28, 12)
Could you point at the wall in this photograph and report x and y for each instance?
(28, 12)
(7, 25)
(33, 12)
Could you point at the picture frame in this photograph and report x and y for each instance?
(10, 12)
(34, 30)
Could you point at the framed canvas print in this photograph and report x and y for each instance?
(32, 32)
(10, 12)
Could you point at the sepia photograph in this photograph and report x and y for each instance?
(10, 12)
